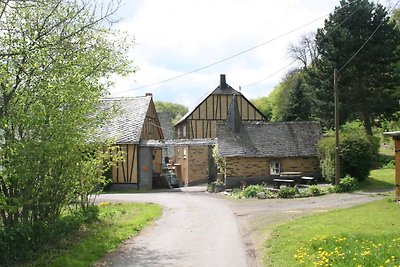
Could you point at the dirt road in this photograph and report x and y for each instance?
(200, 229)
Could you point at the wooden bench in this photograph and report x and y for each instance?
(287, 182)
(308, 180)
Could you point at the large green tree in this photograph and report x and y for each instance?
(297, 107)
(264, 105)
(55, 58)
(362, 42)
(177, 110)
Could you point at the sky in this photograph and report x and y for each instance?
(177, 37)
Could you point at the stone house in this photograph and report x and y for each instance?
(259, 151)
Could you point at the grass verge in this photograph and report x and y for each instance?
(366, 235)
(381, 179)
(117, 222)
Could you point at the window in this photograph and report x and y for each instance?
(184, 153)
(274, 168)
(184, 131)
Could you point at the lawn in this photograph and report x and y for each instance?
(381, 179)
(117, 223)
(366, 235)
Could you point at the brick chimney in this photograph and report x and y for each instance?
(149, 94)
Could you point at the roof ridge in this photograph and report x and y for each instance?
(123, 98)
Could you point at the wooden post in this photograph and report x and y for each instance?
(397, 158)
(396, 138)
(337, 148)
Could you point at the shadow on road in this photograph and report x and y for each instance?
(129, 255)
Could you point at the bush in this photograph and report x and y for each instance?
(358, 154)
(314, 190)
(287, 192)
(252, 190)
(347, 184)
(22, 241)
(326, 151)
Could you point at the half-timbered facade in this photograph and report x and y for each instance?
(202, 121)
(135, 120)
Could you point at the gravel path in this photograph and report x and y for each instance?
(201, 229)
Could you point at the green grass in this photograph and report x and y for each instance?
(117, 223)
(366, 235)
(381, 179)
(387, 150)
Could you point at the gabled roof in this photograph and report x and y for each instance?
(260, 139)
(125, 126)
(222, 89)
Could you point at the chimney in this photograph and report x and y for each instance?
(234, 119)
(149, 94)
(222, 82)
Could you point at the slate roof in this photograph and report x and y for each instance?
(125, 126)
(260, 139)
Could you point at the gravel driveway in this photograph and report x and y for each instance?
(201, 229)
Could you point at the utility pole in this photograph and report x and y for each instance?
(337, 146)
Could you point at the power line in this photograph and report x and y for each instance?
(337, 26)
(368, 39)
(271, 75)
(230, 57)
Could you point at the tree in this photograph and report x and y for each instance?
(55, 58)
(289, 101)
(359, 39)
(297, 107)
(305, 51)
(177, 110)
(264, 105)
(396, 17)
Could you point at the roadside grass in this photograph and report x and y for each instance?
(125, 191)
(366, 235)
(117, 222)
(381, 179)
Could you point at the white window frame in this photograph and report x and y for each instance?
(274, 168)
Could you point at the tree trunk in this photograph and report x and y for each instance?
(365, 111)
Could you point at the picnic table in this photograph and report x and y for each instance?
(287, 182)
(293, 178)
(308, 180)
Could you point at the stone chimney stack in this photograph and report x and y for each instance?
(222, 82)
(234, 119)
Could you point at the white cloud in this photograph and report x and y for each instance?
(176, 36)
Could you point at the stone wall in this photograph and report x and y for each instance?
(198, 164)
(256, 170)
